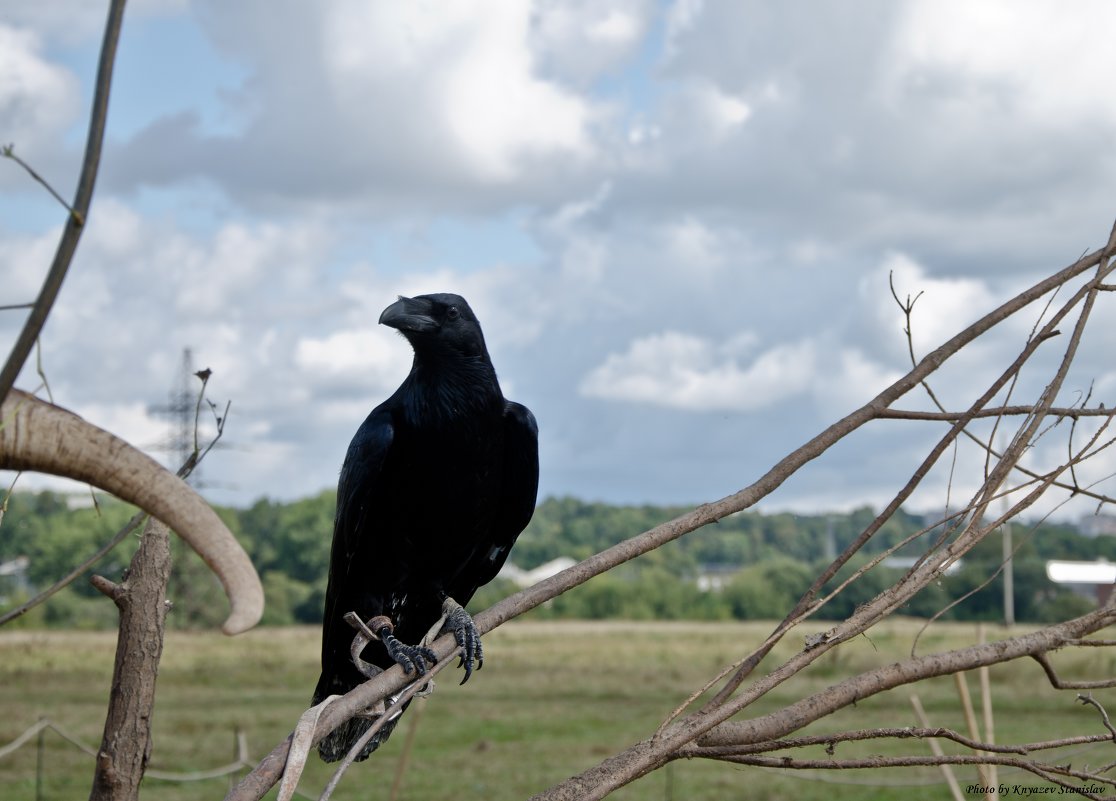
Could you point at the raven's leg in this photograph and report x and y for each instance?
(465, 633)
(410, 657)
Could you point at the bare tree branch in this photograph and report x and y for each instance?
(1047, 772)
(1070, 412)
(141, 599)
(830, 741)
(1059, 684)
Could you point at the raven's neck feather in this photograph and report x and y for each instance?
(444, 389)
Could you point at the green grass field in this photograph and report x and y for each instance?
(553, 699)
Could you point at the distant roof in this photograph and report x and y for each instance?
(1100, 572)
(525, 578)
(907, 562)
(17, 565)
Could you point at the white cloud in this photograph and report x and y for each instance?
(73, 21)
(724, 111)
(498, 109)
(380, 102)
(575, 211)
(615, 26)
(132, 422)
(850, 380)
(353, 352)
(37, 98)
(240, 259)
(693, 244)
(685, 371)
(680, 18)
(24, 262)
(942, 306)
(579, 41)
(1027, 60)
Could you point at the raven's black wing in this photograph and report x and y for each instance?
(516, 503)
(357, 497)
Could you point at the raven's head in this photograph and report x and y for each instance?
(437, 325)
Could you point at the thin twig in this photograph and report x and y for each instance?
(8, 151)
(1088, 698)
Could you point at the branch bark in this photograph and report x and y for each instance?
(141, 599)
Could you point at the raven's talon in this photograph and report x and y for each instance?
(466, 636)
(412, 658)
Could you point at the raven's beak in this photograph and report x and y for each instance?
(409, 314)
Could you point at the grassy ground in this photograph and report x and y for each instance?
(552, 700)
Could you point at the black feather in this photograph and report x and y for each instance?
(437, 484)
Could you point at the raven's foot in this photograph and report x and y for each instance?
(412, 658)
(465, 633)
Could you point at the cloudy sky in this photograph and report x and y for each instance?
(675, 220)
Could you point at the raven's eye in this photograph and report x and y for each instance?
(452, 313)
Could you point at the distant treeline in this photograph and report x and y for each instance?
(761, 563)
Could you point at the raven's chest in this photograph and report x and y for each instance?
(451, 454)
(446, 477)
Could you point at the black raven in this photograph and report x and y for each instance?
(437, 484)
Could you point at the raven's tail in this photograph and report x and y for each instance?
(337, 743)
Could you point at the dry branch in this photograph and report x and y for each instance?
(141, 599)
(1046, 772)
